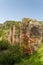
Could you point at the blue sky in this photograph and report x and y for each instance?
(18, 9)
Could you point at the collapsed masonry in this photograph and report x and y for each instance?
(29, 37)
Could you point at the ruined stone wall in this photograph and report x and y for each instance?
(12, 36)
(8, 36)
(30, 35)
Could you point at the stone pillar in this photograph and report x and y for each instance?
(8, 35)
(25, 37)
(14, 35)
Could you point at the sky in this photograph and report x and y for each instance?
(18, 9)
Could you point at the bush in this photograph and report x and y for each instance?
(15, 50)
(3, 45)
(6, 58)
(10, 55)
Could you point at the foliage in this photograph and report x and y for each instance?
(3, 45)
(35, 59)
(4, 28)
(9, 54)
(8, 24)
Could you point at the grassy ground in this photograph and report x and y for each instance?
(34, 59)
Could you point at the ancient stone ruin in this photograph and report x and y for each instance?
(29, 37)
(12, 36)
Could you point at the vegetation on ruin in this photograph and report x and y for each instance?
(11, 55)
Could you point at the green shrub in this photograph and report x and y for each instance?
(6, 58)
(15, 50)
(9, 56)
(3, 45)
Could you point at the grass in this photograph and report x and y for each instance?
(35, 59)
